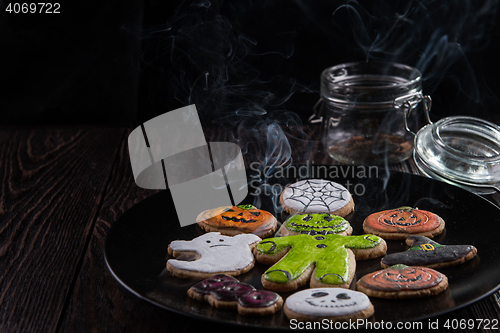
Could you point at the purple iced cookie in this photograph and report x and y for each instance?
(231, 292)
(258, 299)
(213, 283)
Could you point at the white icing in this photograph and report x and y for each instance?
(316, 196)
(326, 302)
(218, 253)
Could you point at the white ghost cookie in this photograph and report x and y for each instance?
(336, 304)
(317, 196)
(214, 254)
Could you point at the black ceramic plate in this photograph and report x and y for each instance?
(136, 246)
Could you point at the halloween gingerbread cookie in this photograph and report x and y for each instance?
(403, 222)
(428, 253)
(315, 224)
(236, 220)
(335, 304)
(323, 260)
(225, 292)
(317, 196)
(216, 254)
(401, 281)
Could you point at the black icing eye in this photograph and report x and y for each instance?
(328, 218)
(307, 218)
(343, 296)
(394, 215)
(255, 213)
(209, 241)
(221, 240)
(319, 294)
(229, 210)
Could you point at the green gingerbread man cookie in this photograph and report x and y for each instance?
(315, 224)
(324, 260)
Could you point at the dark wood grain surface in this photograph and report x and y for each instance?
(62, 189)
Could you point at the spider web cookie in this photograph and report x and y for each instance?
(317, 196)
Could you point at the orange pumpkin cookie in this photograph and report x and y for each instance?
(234, 220)
(401, 281)
(400, 223)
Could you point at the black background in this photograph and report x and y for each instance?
(124, 62)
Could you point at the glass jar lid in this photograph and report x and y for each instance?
(462, 150)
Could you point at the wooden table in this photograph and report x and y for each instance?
(62, 188)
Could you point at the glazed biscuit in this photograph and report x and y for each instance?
(428, 253)
(401, 281)
(315, 224)
(403, 222)
(218, 254)
(320, 260)
(234, 220)
(335, 304)
(225, 292)
(317, 196)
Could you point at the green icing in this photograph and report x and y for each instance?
(246, 206)
(407, 208)
(317, 222)
(399, 266)
(327, 252)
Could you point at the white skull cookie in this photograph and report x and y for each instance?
(215, 254)
(336, 304)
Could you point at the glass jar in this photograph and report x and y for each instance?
(366, 111)
(464, 151)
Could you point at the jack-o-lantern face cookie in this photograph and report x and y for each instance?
(317, 196)
(335, 304)
(322, 260)
(403, 222)
(234, 220)
(428, 253)
(401, 281)
(217, 254)
(315, 224)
